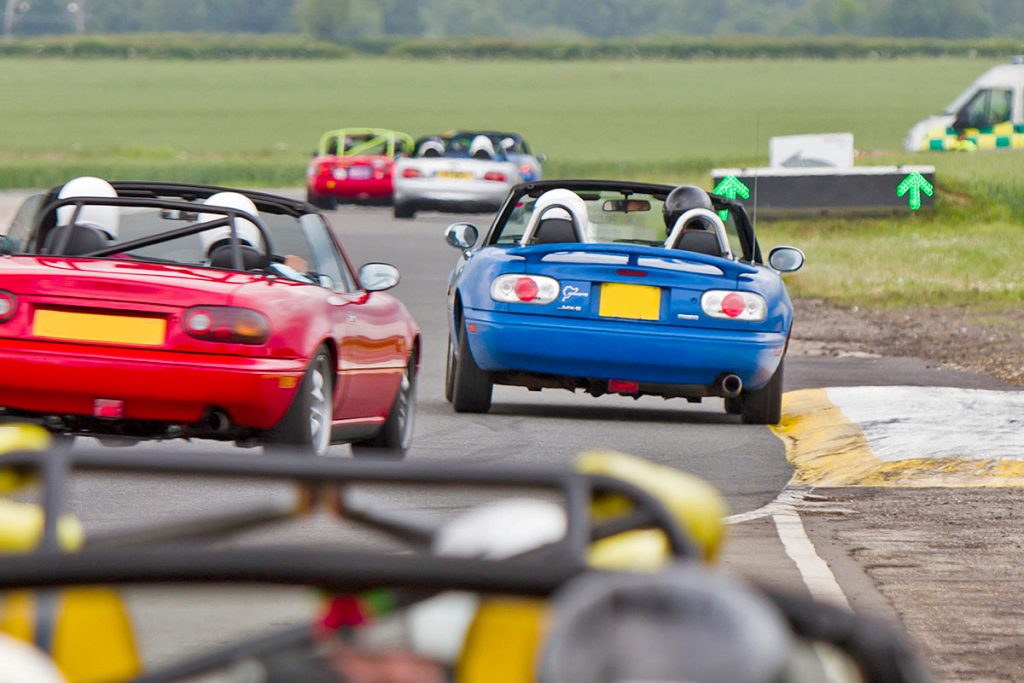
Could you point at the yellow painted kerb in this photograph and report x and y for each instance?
(827, 449)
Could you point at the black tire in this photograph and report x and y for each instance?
(306, 427)
(405, 210)
(322, 201)
(449, 372)
(472, 387)
(395, 437)
(764, 406)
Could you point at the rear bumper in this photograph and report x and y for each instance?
(432, 193)
(621, 349)
(66, 379)
(369, 188)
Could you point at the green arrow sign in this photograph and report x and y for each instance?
(731, 187)
(915, 184)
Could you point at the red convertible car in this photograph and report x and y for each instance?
(138, 310)
(355, 164)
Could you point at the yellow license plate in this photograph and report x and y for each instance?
(453, 174)
(98, 327)
(636, 302)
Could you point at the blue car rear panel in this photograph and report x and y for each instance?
(569, 337)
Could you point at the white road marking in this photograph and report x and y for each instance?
(936, 422)
(814, 571)
(818, 578)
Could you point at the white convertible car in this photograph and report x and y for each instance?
(467, 171)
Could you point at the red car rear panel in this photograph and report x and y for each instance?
(362, 177)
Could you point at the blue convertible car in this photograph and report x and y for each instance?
(623, 288)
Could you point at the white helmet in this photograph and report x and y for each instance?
(247, 230)
(105, 218)
(481, 145)
(23, 663)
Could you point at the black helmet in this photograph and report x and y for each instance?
(682, 199)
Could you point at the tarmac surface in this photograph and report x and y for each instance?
(943, 561)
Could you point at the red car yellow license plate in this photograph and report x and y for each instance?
(99, 327)
(636, 302)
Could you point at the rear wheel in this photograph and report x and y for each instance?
(306, 427)
(321, 201)
(764, 406)
(405, 210)
(395, 437)
(472, 387)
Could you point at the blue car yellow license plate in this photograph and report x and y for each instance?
(635, 302)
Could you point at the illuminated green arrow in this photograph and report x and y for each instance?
(915, 183)
(731, 187)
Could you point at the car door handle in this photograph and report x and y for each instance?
(350, 318)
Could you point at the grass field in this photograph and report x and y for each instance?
(255, 122)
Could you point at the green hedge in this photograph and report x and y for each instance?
(243, 46)
(175, 46)
(740, 47)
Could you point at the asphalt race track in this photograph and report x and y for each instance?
(746, 463)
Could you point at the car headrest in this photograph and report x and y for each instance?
(555, 230)
(84, 239)
(252, 258)
(699, 230)
(699, 241)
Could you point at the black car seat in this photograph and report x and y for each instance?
(252, 258)
(84, 239)
(554, 230)
(700, 241)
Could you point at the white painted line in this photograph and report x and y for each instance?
(817, 576)
(814, 571)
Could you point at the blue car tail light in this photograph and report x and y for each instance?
(734, 305)
(524, 289)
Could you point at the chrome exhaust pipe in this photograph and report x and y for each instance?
(730, 385)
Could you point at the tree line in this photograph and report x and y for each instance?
(345, 20)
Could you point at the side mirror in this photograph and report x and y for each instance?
(542, 157)
(376, 277)
(461, 235)
(786, 259)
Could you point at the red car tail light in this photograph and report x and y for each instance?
(226, 324)
(411, 173)
(524, 289)
(494, 176)
(8, 305)
(734, 305)
(526, 169)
